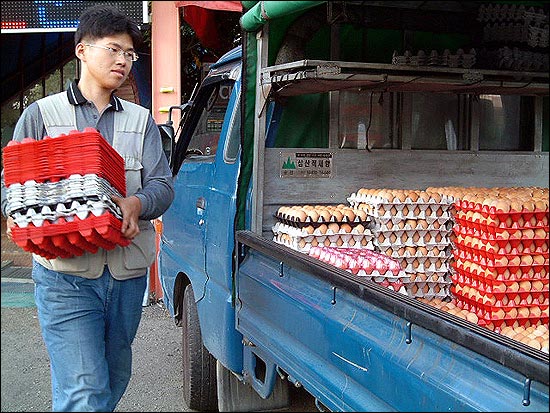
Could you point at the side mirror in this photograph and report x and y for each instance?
(167, 138)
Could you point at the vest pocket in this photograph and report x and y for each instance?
(133, 169)
(140, 254)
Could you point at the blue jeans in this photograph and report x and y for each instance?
(88, 327)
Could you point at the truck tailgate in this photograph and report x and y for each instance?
(356, 345)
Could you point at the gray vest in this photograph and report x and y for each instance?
(129, 131)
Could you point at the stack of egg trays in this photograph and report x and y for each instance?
(40, 181)
(66, 239)
(54, 159)
(302, 235)
(423, 253)
(483, 284)
(364, 264)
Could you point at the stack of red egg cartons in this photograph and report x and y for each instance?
(501, 267)
(40, 175)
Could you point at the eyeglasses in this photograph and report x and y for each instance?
(113, 51)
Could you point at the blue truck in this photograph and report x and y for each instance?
(258, 316)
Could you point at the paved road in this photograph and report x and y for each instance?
(155, 386)
(156, 380)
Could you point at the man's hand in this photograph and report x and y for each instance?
(131, 209)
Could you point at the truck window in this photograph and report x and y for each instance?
(204, 141)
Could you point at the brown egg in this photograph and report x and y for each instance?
(345, 228)
(472, 317)
(523, 312)
(334, 227)
(502, 206)
(338, 216)
(322, 228)
(324, 216)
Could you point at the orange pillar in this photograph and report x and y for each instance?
(165, 60)
(155, 287)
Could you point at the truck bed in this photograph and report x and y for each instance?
(362, 338)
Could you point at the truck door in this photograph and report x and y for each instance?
(205, 169)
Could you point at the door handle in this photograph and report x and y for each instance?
(201, 203)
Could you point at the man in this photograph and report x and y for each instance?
(89, 307)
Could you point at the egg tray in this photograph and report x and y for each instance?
(492, 251)
(491, 259)
(501, 273)
(439, 251)
(445, 200)
(21, 197)
(488, 314)
(428, 290)
(316, 224)
(407, 212)
(55, 158)
(461, 275)
(301, 245)
(406, 239)
(494, 229)
(491, 212)
(281, 227)
(445, 227)
(501, 299)
(80, 208)
(429, 265)
(68, 239)
(501, 236)
(441, 278)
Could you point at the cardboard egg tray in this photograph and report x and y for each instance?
(444, 227)
(53, 159)
(439, 251)
(427, 290)
(394, 213)
(357, 197)
(309, 222)
(426, 265)
(498, 316)
(67, 239)
(412, 238)
(303, 244)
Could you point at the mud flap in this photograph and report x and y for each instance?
(250, 394)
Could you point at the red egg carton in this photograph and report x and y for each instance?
(491, 212)
(503, 273)
(500, 292)
(54, 159)
(489, 261)
(66, 239)
(498, 315)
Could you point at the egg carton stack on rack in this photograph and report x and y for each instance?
(301, 227)
(501, 265)
(59, 190)
(414, 228)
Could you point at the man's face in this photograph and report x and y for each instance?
(107, 60)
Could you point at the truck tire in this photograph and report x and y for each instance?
(199, 366)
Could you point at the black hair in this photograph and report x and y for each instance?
(103, 20)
